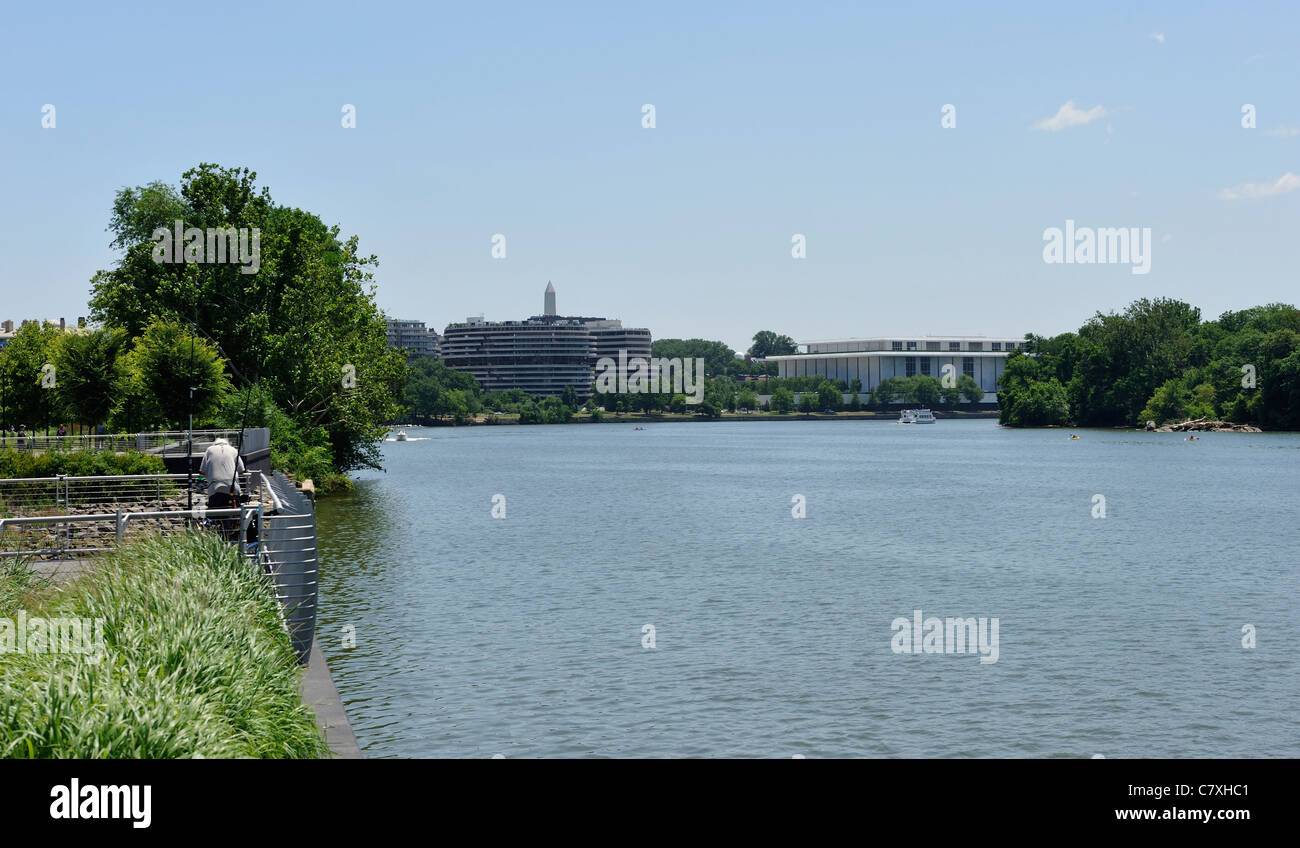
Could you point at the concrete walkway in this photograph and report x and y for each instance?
(60, 570)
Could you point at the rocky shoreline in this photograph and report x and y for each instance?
(1202, 425)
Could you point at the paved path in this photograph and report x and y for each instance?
(60, 570)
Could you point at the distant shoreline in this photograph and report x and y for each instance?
(636, 418)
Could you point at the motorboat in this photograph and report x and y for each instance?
(400, 437)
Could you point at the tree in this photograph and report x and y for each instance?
(570, 398)
(718, 357)
(767, 343)
(808, 403)
(305, 324)
(709, 409)
(923, 390)
(156, 377)
(31, 375)
(782, 400)
(829, 396)
(970, 389)
(883, 394)
(86, 364)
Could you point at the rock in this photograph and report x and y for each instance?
(1207, 425)
(1151, 425)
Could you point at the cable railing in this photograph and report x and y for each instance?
(70, 536)
(163, 443)
(68, 495)
(66, 518)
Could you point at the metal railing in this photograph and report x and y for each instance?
(66, 495)
(164, 443)
(276, 528)
(62, 536)
(287, 547)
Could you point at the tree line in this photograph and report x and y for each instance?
(1158, 361)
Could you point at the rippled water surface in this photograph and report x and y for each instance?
(522, 636)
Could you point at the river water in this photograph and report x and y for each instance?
(773, 636)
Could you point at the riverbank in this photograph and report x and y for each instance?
(669, 418)
(180, 652)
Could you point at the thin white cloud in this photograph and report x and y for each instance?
(1070, 116)
(1288, 182)
(1284, 132)
(1158, 36)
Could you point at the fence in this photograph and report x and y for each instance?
(173, 443)
(62, 536)
(67, 495)
(288, 550)
(276, 528)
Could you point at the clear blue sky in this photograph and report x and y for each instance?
(525, 120)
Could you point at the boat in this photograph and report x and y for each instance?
(400, 437)
(916, 416)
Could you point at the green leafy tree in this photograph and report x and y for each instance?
(87, 366)
(718, 357)
(969, 389)
(829, 396)
(304, 325)
(169, 372)
(924, 390)
(808, 403)
(31, 396)
(768, 343)
(782, 400)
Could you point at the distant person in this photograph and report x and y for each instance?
(63, 431)
(22, 436)
(220, 463)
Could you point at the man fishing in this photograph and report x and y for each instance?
(220, 467)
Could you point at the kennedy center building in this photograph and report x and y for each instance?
(873, 360)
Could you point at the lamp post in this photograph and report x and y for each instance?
(4, 417)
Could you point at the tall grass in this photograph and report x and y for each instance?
(196, 663)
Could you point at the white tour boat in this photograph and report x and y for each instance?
(916, 416)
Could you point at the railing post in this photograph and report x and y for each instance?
(120, 527)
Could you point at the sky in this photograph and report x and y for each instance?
(770, 120)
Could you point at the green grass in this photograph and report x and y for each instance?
(196, 662)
